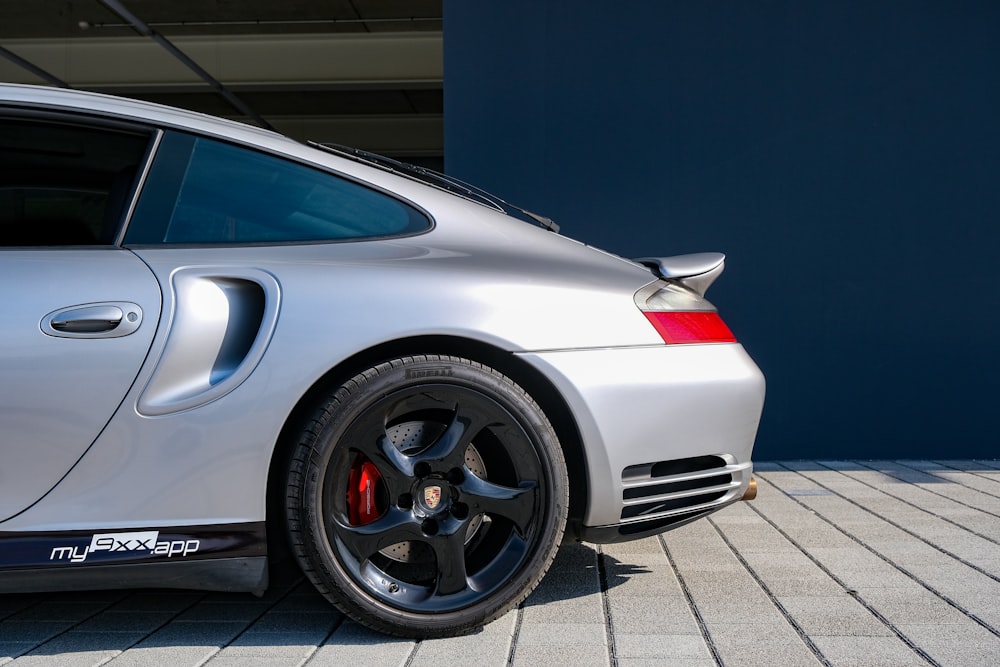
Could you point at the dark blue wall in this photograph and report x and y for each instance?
(845, 156)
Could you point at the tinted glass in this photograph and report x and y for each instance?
(62, 184)
(224, 194)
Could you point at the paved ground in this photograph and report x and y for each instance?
(835, 563)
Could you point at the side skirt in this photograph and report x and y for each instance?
(222, 574)
(222, 557)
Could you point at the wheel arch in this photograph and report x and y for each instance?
(529, 378)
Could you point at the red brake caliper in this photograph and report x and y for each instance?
(362, 498)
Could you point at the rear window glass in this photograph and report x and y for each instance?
(203, 191)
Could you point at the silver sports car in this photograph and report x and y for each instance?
(215, 338)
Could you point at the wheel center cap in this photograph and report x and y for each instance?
(433, 497)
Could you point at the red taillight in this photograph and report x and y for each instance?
(362, 496)
(690, 327)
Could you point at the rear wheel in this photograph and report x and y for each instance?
(427, 496)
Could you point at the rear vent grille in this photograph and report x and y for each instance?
(654, 489)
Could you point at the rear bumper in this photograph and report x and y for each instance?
(668, 431)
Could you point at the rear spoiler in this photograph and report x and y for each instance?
(696, 271)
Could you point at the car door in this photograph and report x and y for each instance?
(77, 312)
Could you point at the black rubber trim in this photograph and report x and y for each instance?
(222, 574)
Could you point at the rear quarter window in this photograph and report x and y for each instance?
(202, 191)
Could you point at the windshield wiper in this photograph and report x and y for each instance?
(438, 180)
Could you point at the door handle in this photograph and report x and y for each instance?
(95, 320)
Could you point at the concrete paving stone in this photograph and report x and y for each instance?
(727, 607)
(289, 660)
(667, 647)
(934, 484)
(938, 532)
(304, 602)
(647, 545)
(912, 606)
(970, 590)
(789, 561)
(810, 532)
(58, 611)
(286, 621)
(31, 631)
(737, 514)
(570, 656)
(180, 643)
(981, 465)
(81, 649)
(658, 662)
(296, 646)
(637, 566)
(714, 557)
(581, 609)
(482, 650)
(966, 644)
(857, 568)
(668, 615)
(252, 638)
(792, 585)
(354, 644)
(122, 621)
(792, 574)
(146, 601)
(758, 538)
(224, 611)
(575, 558)
(642, 580)
(562, 634)
(839, 615)
(760, 644)
(562, 589)
(153, 656)
(868, 652)
(10, 650)
(336, 655)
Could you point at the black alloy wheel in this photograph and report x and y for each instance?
(427, 496)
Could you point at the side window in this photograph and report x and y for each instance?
(63, 184)
(208, 192)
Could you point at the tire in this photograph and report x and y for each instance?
(427, 496)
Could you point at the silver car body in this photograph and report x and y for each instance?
(141, 434)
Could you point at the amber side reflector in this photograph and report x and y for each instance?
(678, 328)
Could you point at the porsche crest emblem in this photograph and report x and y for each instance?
(432, 496)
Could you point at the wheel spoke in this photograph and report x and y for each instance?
(400, 466)
(516, 504)
(364, 541)
(368, 436)
(449, 448)
(449, 551)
